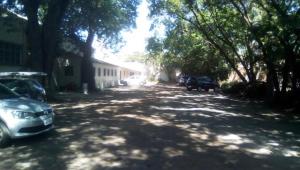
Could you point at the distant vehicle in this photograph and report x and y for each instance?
(25, 84)
(22, 117)
(201, 83)
(123, 82)
(134, 80)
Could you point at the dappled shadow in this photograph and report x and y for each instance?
(160, 127)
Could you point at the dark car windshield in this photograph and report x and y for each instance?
(204, 79)
(11, 84)
(6, 93)
(25, 83)
(36, 83)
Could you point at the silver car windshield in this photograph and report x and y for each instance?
(6, 93)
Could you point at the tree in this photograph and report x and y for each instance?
(257, 35)
(185, 49)
(43, 30)
(49, 20)
(104, 19)
(201, 21)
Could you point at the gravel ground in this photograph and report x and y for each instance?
(159, 127)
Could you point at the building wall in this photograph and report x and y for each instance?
(125, 73)
(106, 75)
(12, 41)
(12, 28)
(67, 72)
(4, 68)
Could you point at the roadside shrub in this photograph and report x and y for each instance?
(257, 90)
(225, 86)
(162, 81)
(152, 78)
(235, 88)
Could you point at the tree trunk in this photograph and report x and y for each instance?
(252, 75)
(51, 36)
(33, 35)
(294, 77)
(217, 46)
(87, 69)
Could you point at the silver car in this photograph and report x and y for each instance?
(22, 117)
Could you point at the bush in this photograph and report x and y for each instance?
(257, 90)
(235, 88)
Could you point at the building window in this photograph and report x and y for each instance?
(99, 72)
(112, 72)
(115, 72)
(69, 71)
(108, 72)
(10, 54)
(104, 72)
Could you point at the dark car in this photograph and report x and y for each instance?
(206, 83)
(200, 83)
(26, 87)
(191, 83)
(182, 80)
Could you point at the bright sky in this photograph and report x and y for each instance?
(135, 40)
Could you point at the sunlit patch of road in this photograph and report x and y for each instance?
(159, 127)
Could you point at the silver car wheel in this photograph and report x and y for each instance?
(1, 134)
(4, 138)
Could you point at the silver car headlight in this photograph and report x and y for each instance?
(23, 115)
(43, 92)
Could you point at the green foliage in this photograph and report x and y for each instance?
(249, 36)
(136, 57)
(185, 49)
(103, 18)
(257, 90)
(234, 88)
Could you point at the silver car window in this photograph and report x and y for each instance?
(6, 93)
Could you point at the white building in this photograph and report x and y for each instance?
(109, 75)
(67, 68)
(106, 74)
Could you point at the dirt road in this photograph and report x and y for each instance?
(160, 127)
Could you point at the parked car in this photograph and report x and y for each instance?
(26, 86)
(200, 83)
(206, 83)
(182, 80)
(134, 80)
(123, 82)
(191, 83)
(22, 117)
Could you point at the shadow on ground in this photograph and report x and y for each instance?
(160, 127)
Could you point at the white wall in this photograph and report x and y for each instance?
(108, 80)
(125, 73)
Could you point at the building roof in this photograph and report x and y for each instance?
(8, 13)
(104, 62)
(129, 66)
